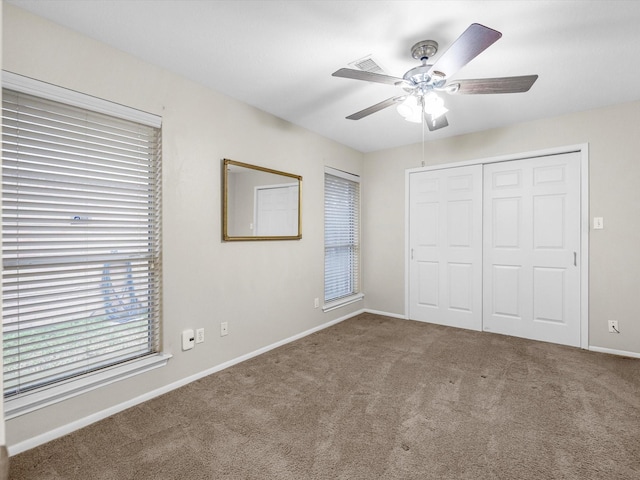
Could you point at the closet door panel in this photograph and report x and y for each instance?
(531, 246)
(445, 229)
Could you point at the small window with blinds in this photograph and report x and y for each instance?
(80, 241)
(341, 238)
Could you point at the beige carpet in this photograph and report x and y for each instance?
(375, 398)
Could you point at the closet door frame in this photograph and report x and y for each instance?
(583, 150)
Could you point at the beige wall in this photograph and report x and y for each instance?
(614, 257)
(205, 281)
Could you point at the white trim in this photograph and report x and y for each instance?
(46, 396)
(407, 239)
(49, 91)
(613, 351)
(584, 246)
(583, 149)
(386, 314)
(342, 174)
(327, 307)
(83, 422)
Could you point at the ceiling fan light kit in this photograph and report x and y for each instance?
(433, 105)
(410, 109)
(415, 107)
(422, 82)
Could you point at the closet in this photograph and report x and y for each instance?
(497, 247)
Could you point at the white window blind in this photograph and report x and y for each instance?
(81, 280)
(341, 235)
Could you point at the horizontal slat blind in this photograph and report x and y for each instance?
(80, 241)
(341, 237)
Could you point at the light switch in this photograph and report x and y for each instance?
(598, 223)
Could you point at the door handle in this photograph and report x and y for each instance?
(575, 259)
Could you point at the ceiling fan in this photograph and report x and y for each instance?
(421, 102)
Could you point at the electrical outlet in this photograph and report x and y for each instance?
(200, 335)
(613, 326)
(187, 339)
(316, 302)
(224, 329)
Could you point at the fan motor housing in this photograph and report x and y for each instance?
(423, 79)
(419, 76)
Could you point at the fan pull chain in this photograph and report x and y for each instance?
(423, 122)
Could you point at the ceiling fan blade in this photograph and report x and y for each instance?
(375, 108)
(473, 41)
(435, 123)
(493, 85)
(366, 76)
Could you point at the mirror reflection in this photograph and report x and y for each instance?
(260, 203)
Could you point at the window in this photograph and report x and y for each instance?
(341, 238)
(80, 236)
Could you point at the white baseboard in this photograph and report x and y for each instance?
(614, 352)
(386, 314)
(83, 422)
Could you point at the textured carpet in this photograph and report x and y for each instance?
(375, 398)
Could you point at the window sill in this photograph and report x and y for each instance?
(29, 402)
(327, 307)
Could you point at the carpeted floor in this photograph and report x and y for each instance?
(375, 398)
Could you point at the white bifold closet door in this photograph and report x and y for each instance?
(532, 248)
(445, 272)
(496, 247)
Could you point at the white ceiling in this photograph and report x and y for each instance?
(279, 55)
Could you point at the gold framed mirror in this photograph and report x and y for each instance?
(259, 203)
